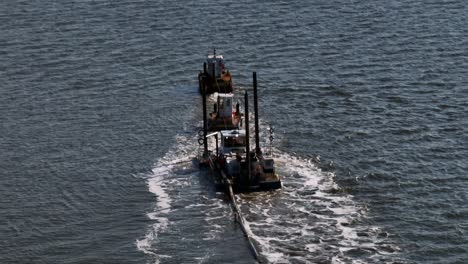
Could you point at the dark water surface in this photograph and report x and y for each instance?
(99, 112)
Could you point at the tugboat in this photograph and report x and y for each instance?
(215, 77)
(223, 116)
(232, 162)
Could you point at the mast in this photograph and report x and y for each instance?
(257, 131)
(213, 72)
(247, 135)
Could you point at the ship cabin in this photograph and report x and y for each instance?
(232, 142)
(224, 102)
(215, 65)
(225, 115)
(232, 153)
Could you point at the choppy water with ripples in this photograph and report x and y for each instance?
(99, 114)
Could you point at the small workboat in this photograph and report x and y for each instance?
(215, 77)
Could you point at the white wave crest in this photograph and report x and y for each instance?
(309, 220)
(158, 182)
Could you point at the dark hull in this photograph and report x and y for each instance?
(217, 124)
(223, 180)
(211, 85)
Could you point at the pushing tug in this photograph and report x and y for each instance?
(232, 161)
(215, 77)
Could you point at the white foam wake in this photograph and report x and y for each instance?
(158, 182)
(310, 220)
